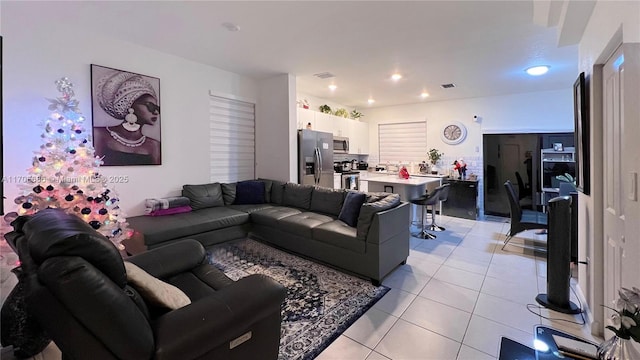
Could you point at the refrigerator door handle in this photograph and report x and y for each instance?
(320, 166)
(316, 172)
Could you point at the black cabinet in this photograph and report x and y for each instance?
(462, 199)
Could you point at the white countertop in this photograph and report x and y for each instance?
(412, 180)
(431, 176)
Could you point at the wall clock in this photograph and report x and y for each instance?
(453, 133)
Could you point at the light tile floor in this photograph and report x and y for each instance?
(456, 297)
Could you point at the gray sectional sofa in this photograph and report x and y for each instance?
(299, 218)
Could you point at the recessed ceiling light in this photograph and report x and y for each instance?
(332, 87)
(537, 70)
(424, 94)
(371, 101)
(396, 77)
(231, 26)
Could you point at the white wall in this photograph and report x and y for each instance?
(547, 111)
(276, 145)
(37, 51)
(316, 102)
(611, 23)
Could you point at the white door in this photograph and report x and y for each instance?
(620, 166)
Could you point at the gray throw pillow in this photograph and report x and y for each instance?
(204, 196)
(368, 210)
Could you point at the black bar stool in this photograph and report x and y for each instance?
(443, 193)
(422, 202)
(439, 194)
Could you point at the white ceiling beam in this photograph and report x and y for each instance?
(541, 11)
(573, 20)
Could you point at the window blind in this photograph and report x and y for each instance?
(232, 139)
(402, 142)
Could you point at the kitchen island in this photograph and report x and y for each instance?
(411, 188)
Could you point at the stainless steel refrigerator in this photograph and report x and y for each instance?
(315, 158)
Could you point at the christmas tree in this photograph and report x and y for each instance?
(64, 172)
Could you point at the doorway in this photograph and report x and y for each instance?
(508, 154)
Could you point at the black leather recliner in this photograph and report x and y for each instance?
(76, 287)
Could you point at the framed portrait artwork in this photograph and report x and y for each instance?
(581, 134)
(126, 117)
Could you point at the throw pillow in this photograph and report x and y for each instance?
(155, 290)
(171, 211)
(351, 208)
(249, 192)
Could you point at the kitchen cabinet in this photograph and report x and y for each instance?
(358, 137)
(356, 131)
(462, 199)
(306, 116)
(324, 122)
(364, 185)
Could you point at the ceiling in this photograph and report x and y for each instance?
(483, 47)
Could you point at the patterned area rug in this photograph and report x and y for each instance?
(321, 302)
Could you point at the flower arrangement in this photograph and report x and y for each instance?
(626, 319)
(303, 103)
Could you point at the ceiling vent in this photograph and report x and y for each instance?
(324, 75)
(447, 86)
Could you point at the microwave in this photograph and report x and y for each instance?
(340, 145)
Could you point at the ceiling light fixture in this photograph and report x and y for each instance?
(396, 77)
(333, 87)
(231, 26)
(424, 94)
(537, 70)
(371, 101)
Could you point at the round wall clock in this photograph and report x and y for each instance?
(453, 133)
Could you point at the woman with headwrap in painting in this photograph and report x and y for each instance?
(130, 98)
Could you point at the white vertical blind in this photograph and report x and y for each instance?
(402, 142)
(232, 139)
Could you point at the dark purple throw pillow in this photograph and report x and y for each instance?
(249, 192)
(351, 208)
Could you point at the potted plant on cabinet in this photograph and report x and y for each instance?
(356, 115)
(325, 109)
(434, 156)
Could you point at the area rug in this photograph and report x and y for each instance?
(321, 302)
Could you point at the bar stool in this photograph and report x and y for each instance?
(423, 234)
(443, 194)
(425, 201)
